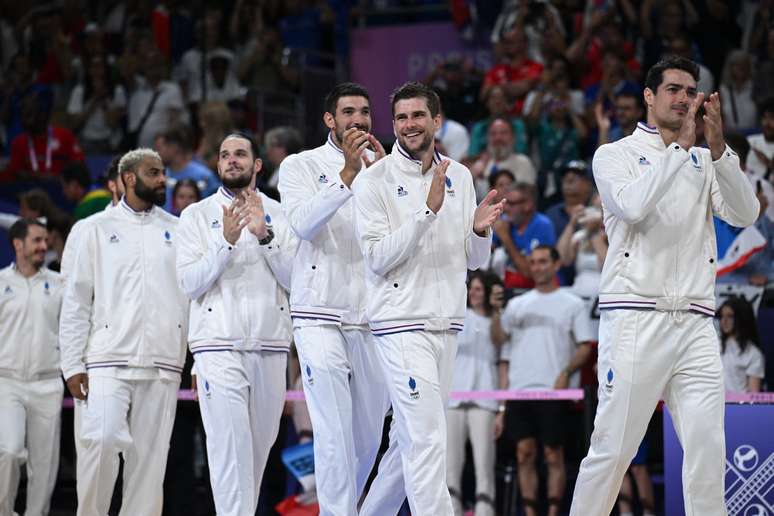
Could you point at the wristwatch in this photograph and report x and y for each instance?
(268, 238)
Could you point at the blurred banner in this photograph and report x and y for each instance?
(383, 58)
(749, 462)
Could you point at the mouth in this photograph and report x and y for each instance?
(412, 135)
(680, 109)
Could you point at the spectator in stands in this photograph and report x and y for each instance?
(43, 149)
(518, 74)
(548, 341)
(475, 369)
(559, 133)
(48, 44)
(30, 419)
(185, 193)
(452, 138)
(500, 154)
(763, 84)
(541, 23)
(96, 108)
(155, 105)
(628, 111)
(497, 106)
(760, 162)
(188, 72)
(260, 61)
(613, 81)
(175, 146)
(600, 35)
(681, 45)
(458, 85)
(577, 187)
(19, 80)
(743, 364)
(222, 84)
(736, 85)
(79, 190)
(660, 23)
(501, 181)
(214, 124)
(554, 84)
(524, 230)
(58, 229)
(279, 142)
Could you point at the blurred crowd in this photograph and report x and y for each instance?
(83, 79)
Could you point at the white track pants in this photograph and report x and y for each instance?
(241, 397)
(418, 367)
(131, 417)
(347, 401)
(644, 356)
(477, 425)
(29, 432)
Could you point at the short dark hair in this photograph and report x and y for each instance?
(527, 189)
(190, 183)
(111, 174)
(413, 90)
(285, 136)
(500, 172)
(655, 75)
(344, 89)
(179, 135)
(78, 172)
(243, 136)
(21, 228)
(503, 119)
(766, 106)
(551, 251)
(629, 94)
(38, 200)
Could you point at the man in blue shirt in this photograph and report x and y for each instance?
(175, 146)
(526, 229)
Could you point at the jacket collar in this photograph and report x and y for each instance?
(649, 135)
(228, 196)
(131, 212)
(409, 164)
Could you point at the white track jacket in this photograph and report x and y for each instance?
(29, 324)
(416, 260)
(658, 204)
(329, 280)
(238, 293)
(122, 306)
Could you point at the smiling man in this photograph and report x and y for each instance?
(342, 379)
(657, 293)
(420, 231)
(122, 339)
(235, 254)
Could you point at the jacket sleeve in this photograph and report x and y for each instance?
(477, 248)
(732, 196)
(199, 262)
(384, 250)
(71, 248)
(307, 208)
(281, 251)
(632, 199)
(77, 301)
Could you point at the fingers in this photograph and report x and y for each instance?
(440, 170)
(377, 146)
(694, 106)
(489, 198)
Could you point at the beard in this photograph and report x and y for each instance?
(499, 152)
(150, 195)
(235, 183)
(339, 130)
(424, 145)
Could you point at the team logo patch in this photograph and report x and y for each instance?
(609, 382)
(644, 161)
(207, 390)
(8, 290)
(402, 192)
(322, 179)
(695, 160)
(268, 218)
(449, 189)
(46, 289)
(414, 392)
(113, 238)
(215, 224)
(309, 378)
(167, 237)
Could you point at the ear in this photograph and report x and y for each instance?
(649, 97)
(437, 122)
(329, 121)
(257, 165)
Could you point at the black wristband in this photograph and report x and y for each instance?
(268, 238)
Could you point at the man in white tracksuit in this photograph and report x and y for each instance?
(122, 338)
(420, 231)
(234, 262)
(343, 383)
(656, 334)
(30, 387)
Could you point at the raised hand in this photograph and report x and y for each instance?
(713, 126)
(378, 151)
(235, 218)
(486, 213)
(437, 191)
(687, 135)
(255, 214)
(354, 142)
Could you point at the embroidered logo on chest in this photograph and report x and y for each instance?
(402, 192)
(322, 179)
(449, 189)
(695, 161)
(644, 161)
